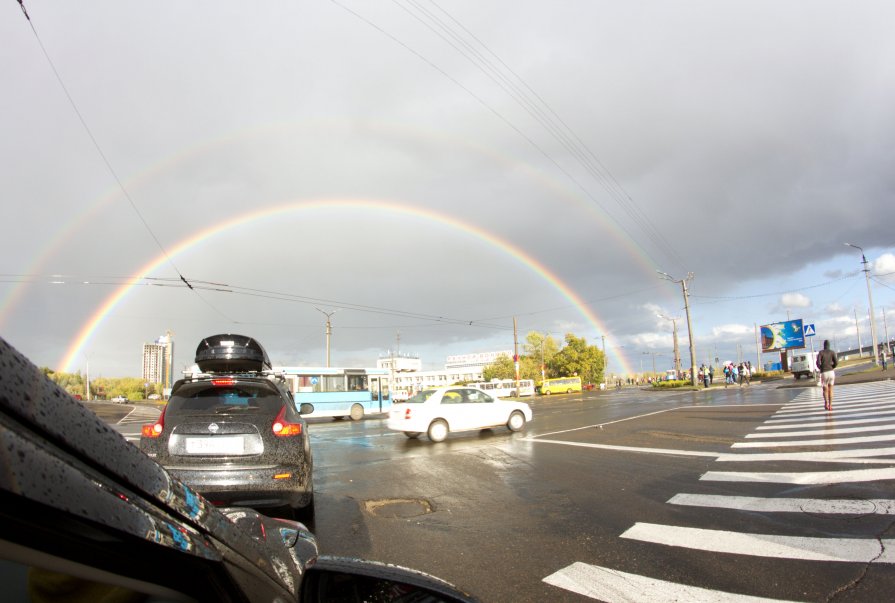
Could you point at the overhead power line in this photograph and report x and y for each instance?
(105, 159)
(217, 287)
(719, 298)
(538, 109)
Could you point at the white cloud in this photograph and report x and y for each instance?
(884, 268)
(795, 300)
(732, 330)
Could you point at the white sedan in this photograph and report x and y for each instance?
(437, 412)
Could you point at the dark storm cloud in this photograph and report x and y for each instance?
(743, 143)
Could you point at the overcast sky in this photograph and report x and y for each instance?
(428, 171)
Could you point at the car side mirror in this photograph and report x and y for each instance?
(306, 408)
(348, 579)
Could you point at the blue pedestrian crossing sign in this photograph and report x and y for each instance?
(808, 330)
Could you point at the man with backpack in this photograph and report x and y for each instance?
(826, 363)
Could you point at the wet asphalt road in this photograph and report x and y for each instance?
(496, 512)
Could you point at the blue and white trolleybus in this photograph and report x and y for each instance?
(340, 392)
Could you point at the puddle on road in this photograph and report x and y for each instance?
(398, 508)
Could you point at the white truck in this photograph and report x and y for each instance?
(804, 364)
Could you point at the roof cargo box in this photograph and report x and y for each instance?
(230, 353)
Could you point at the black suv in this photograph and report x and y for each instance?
(233, 433)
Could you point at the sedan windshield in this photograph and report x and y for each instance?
(421, 397)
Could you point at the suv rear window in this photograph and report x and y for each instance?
(203, 398)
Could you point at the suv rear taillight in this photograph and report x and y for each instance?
(283, 428)
(156, 429)
(407, 413)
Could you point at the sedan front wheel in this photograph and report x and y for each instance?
(438, 430)
(516, 422)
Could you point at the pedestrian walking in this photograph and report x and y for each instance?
(704, 371)
(882, 358)
(711, 374)
(826, 363)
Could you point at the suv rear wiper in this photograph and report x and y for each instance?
(227, 408)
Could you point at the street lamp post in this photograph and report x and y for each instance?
(653, 354)
(677, 351)
(329, 330)
(683, 283)
(869, 299)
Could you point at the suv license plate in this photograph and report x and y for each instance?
(216, 445)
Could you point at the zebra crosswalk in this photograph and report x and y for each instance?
(803, 443)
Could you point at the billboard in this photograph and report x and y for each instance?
(782, 336)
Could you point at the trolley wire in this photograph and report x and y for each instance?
(108, 163)
(538, 114)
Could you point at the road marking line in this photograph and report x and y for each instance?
(833, 429)
(823, 442)
(850, 550)
(596, 425)
(627, 448)
(806, 477)
(613, 586)
(816, 506)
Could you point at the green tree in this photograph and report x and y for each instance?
(578, 358)
(538, 348)
(502, 368)
(72, 383)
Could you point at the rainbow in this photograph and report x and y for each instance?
(89, 328)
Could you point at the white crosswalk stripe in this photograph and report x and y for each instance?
(858, 431)
(854, 550)
(614, 586)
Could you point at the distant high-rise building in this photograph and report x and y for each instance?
(158, 360)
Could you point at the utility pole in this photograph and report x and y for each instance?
(869, 299)
(757, 348)
(683, 283)
(605, 360)
(329, 330)
(888, 341)
(87, 389)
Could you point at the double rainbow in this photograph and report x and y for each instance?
(89, 328)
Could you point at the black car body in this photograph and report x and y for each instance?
(87, 516)
(233, 433)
